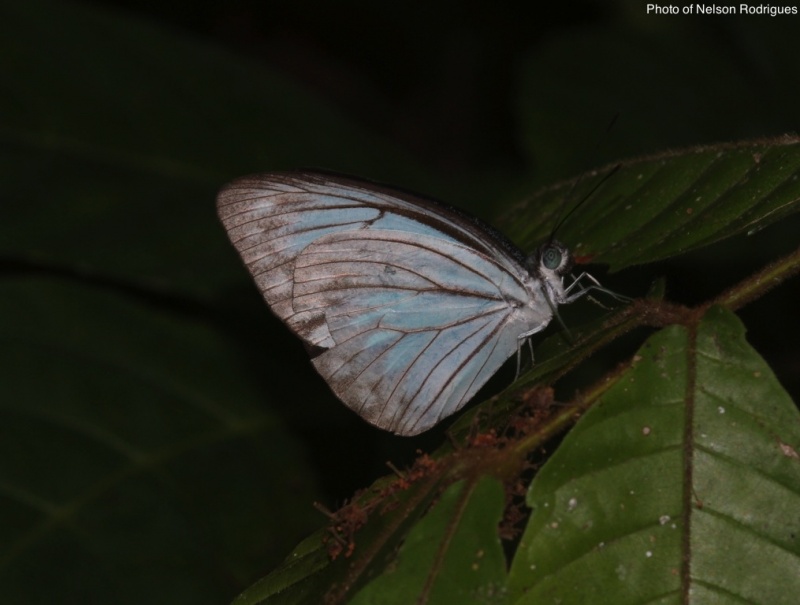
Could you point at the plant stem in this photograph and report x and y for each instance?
(759, 284)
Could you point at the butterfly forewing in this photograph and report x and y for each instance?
(415, 306)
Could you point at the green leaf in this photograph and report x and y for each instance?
(303, 576)
(383, 516)
(683, 479)
(659, 207)
(453, 555)
(116, 461)
(408, 549)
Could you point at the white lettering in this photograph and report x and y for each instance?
(661, 9)
(713, 9)
(721, 9)
(766, 9)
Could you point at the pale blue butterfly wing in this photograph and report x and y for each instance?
(413, 305)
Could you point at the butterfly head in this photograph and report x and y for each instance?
(550, 263)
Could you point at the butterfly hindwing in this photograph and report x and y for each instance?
(416, 324)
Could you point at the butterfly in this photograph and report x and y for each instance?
(409, 306)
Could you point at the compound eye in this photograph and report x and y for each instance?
(551, 259)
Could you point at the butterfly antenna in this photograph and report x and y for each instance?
(597, 186)
(563, 217)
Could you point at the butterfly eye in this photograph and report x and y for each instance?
(551, 259)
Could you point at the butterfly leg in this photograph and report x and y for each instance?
(583, 289)
(521, 339)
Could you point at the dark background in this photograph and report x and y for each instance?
(120, 122)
